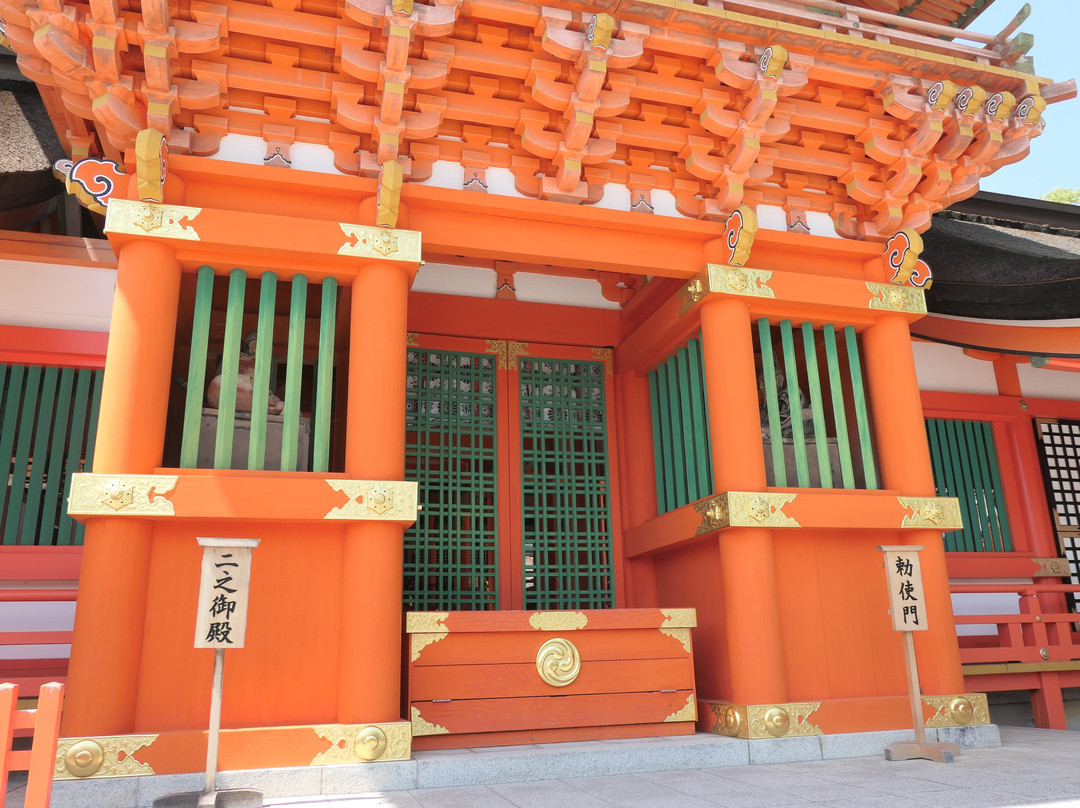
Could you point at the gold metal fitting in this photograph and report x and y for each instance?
(777, 722)
(370, 743)
(1044, 653)
(84, 758)
(962, 710)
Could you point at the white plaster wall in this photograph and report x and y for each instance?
(989, 603)
(535, 288)
(77, 298)
(1044, 383)
(37, 616)
(945, 368)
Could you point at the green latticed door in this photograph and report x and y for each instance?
(565, 503)
(451, 450)
(511, 457)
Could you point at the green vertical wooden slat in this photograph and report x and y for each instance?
(984, 487)
(962, 483)
(678, 448)
(984, 539)
(999, 492)
(836, 392)
(791, 375)
(196, 382)
(940, 480)
(51, 431)
(862, 415)
(290, 427)
(665, 425)
(230, 361)
(817, 407)
(772, 404)
(61, 427)
(9, 416)
(22, 455)
(264, 348)
(658, 442)
(79, 416)
(686, 417)
(95, 406)
(325, 378)
(91, 438)
(46, 416)
(702, 447)
(947, 438)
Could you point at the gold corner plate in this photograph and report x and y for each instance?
(420, 726)
(364, 743)
(679, 618)
(124, 216)
(688, 712)
(121, 494)
(112, 756)
(1051, 568)
(890, 297)
(375, 499)
(964, 710)
(935, 513)
(381, 243)
(424, 629)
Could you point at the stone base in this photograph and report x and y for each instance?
(510, 764)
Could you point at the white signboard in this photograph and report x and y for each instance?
(221, 620)
(906, 600)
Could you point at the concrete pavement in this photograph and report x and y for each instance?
(1031, 767)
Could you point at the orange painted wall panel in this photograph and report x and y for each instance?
(287, 671)
(838, 639)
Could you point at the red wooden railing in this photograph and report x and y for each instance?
(39, 760)
(1037, 650)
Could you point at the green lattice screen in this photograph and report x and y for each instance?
(451, 552)
(966, 466)
(566, 513)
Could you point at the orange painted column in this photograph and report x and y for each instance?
(748, 569)
(638, 478)
(904, 464)
(109, 615)
(370, 649)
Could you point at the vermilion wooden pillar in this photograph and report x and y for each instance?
(638, 479)
(748, 570)
(109, 616)
(904, 462)
(370, 650)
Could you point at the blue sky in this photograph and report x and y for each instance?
(1054, 159)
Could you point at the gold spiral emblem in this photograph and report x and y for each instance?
(558, 662)
(370, 743)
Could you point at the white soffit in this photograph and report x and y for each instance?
(38, 295)
(947, 369)
(562, 291)
(448, 279)
(1046, 383)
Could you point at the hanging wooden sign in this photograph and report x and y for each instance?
(221, 620)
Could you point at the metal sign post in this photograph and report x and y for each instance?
(908, 610)
(220, 623)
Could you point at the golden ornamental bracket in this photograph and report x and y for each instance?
(725, 280)
(744, 509)
(121, 495)
(375, 499)
(935, 513)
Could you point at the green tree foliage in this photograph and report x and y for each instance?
(1067, 196)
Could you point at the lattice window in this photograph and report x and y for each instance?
(1059, 450)
(964, 457)
(451, 552)
(566, 517)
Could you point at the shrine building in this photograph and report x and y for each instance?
(571, 363)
